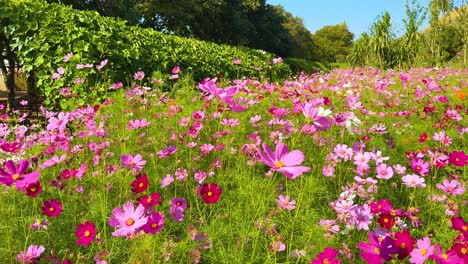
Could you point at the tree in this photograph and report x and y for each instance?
(433, 40)
(359, 53)
(333, 42)
(380, 41)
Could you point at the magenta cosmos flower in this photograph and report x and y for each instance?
(52, 208)
(319, 121)
(458, 158)
(17, 175)
(85, 233)
(283, 161)
(154, 224)
(328, 255)
(127, 220)
(210, 193)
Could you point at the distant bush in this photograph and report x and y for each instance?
(41, 34)
(299, 65)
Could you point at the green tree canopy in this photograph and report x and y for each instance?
(333, 42)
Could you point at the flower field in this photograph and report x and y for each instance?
(351, 166)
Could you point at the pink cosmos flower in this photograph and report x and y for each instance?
(285, 203)
(133, 162)
(135, 124)
(361, 158)
(449, 257)
(452, 188)
(68, 57)
(371, 252)
(329, 225)
(343, 151)
(420, 166)
(362, 216)
(283, 161)
(127, 220)
(139, 75)
(175, 70)
(328, 256)
(31, 255)
(384, 171)
(413, 180)
(424, 249)
(53, 161)
(277, 246)
(166, 181)
(320, 122)
(17, 175)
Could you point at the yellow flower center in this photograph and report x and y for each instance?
(279, 164)
(149, 200)
(463, 251)
(154, 225)
(209, 194)
(140, 185)
(423, 252)
(385, 220)
(51, 209)
(403, 245)
(444, 256)
(465, 227)
(132, 163)
(87, 233)
(130, 222)
(33, 189)
(377, 250)
(16, 176)
(326, 261)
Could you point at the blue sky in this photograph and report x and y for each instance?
(358, 14)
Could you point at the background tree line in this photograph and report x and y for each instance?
(250, 23)
(444, 40)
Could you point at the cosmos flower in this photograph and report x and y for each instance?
(17, 175)
(285, 203)
(154, 224)
(210, 193)
(85, 233)
(133, 162)
(140, 184)
(52, 208)
(420, 254)
(31, 255)
(283, 161)
(127, 220)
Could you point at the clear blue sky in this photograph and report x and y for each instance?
(358, 14)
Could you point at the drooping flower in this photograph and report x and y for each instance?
(283, 161)
(154, 224)
(167, 151)
(85, 233)
(327, 256)
(17, 175)
(52, 208)
(319, 121)
(31, 255)
(140, 184)
(277, 246)
(285, 203)
(127, 220)
(210, 193)
(420, 254)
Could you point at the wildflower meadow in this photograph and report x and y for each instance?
(351, 166)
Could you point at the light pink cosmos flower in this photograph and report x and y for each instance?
(413, 180)
(361, 158)
(420, 254)
(133, 162)
(285, 203)
(361, 216)
(58, 123)
(452, 187)
(139, 75)
(166, 181)
(127, 220)
(17, 175)
(135, 124)
(223, 95)
(282, 160)
(384, 171)
(53, 161)
(343, 151)
(31, 255)
(320, 122)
